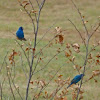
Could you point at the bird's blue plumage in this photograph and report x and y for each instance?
(76, 79)
(20, 33)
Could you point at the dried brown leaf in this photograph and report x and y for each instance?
(95, 80)
(85, 22)
(68, 45)
(60, 76)
(96, 72)
(73, 58)
(76, 50)
(58, 29)
(27, 49)
(90, 56)
(67, 54)
(42, 83)
(81, 97)
(98, 55)
(26, 5)
(76, 45)
(25, 2)
(99, 43)
(61, 38)
(31, 82)
(15, 53)
(33, 11)
(91, 77)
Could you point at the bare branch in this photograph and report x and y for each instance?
(16, 88)
(74, 64)
(58, 89)
(50, 80)
(78, 32)
(28, 15)
(23, 66)
(38, 3)
(24, 53)
(46, 33)
(48, 62)
(94, 30)
(85, 62)
(35, 40)
(81, 18)
(8, 75)
(1, 88)
(3, 61)
(33, 9)
(86, 58)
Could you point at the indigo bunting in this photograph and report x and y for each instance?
(20, 34)
(76, 79)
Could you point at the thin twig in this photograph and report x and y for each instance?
(46, 45)
(38, 3)
(33, 9)
(2, 88)
(58, 89)
(48, 62)
(16, 88)
(74, 65)
(78, 32)
(87, 46)
(85, 63)
(35, 40)
(8, 75)
(45, 33)
(50, 80)
(28, 15)
(81, 18)
(3, 61)
(24, 53)
(23, 66)
(94, 30)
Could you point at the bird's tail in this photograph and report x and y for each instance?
(24, 39)
(69, 86)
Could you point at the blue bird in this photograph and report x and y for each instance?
(76, 79)
(20, 34)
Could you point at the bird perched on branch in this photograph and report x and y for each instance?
(76, 79)
(20, 34)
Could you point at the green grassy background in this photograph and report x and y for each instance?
(58, 12)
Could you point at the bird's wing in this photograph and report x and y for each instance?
(20, 34)
(74, 80)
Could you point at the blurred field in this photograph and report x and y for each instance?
(55, 12)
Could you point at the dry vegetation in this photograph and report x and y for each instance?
(55, 13)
